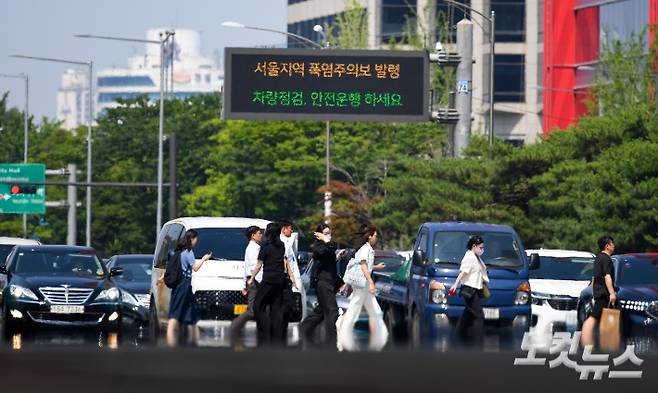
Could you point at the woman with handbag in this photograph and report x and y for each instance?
(358, 276)
(474, 279)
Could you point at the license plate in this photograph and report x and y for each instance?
(491, 313)
(239, 309)
(66, 309)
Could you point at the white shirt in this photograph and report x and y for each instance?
(366, 253)
(474, 270)
(251, 259)
(292, 259)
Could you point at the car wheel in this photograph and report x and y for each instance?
(154, 324)
(8, 326)
(416, 331)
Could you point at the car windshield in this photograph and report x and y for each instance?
(564, 268)
(639, 271)
(500, 249)
(58, 263)
(135, 269)
(225, 243)
(5, 249)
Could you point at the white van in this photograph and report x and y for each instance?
(218, 283)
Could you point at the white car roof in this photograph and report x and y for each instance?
(561, 253)
(18, 241)
(219, 222)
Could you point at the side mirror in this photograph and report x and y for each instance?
(419, 258)
(534, 261)
(116, 271)
(3, 269)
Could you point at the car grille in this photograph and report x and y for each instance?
(218, 305)
(652, 310)
(62, 295)
(144, 299)
(65, 319)
(563, 303)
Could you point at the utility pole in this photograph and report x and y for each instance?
(464, 86)
(72, 192)
(172, 177)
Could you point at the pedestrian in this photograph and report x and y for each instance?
(603, 288)
(473, 276)
(268, 304)
(325, 280)
(255, 235)
(182, 306)
(364, 297)
(293, 307)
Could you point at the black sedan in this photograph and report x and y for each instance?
(636, 284)
(135, 284)
(58, 286)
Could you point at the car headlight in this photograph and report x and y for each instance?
(129, 298)
(438, 293)
(108, 294)
(538, 298)
(21, 292)
(522, 294)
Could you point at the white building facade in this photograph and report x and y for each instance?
(187, 73)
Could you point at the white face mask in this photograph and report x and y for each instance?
(479, 252)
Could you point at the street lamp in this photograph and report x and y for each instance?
(26, 115)
(299, 38)
(492, 42)
(327, 194)
(90, 65)
(304, 40)
(162, 42)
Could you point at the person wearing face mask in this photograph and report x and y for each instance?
(326, 282)
(473, 276)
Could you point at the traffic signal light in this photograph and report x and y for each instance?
(17, 189)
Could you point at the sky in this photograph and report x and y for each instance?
(45, 28)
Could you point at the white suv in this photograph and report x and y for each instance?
(556, 284)
(7, 243)
(218, 283)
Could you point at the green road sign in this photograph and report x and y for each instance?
(18, 197)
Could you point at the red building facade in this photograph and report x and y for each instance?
(573, 30)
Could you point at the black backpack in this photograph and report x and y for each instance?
(173, 272)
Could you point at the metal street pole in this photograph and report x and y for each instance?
(26, 115)
(299, 38)
(167, 34)
(491, 77)
(89, 64)
(463, 100)
(492, 43)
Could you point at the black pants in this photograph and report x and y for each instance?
(239, 322)
(326, 311)
(270, 323)
(473, 315)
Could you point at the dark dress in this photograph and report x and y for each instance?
(268, 305)
(182, 306)
(327, 282)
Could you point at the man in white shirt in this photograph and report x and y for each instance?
(255, 235)
(289, 242)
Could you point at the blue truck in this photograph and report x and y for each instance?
(415, 301)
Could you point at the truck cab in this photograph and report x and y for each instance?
(423, 306)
